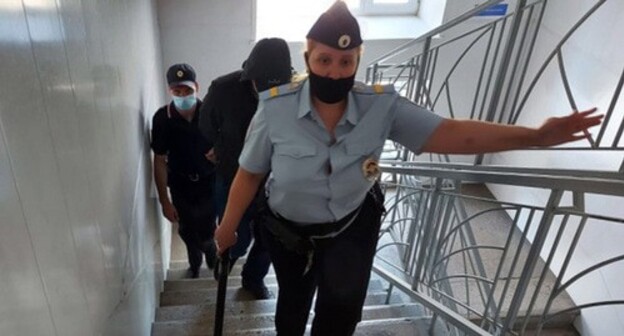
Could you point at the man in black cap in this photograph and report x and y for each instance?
(230, 104)
(181, 162)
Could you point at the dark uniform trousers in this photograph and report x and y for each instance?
(195, 205)
(340, 270)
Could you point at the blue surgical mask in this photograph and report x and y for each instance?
(184, 103)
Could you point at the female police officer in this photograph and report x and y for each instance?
(319, 138)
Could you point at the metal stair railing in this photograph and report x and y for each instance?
(441, 259)
(498, 54)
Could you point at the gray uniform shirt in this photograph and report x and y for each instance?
(315, 178)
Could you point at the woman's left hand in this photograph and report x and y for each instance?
(558, 130)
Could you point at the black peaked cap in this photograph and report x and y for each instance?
(337, 28)
(181, 74)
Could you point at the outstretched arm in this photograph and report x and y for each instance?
(474, 137)
(242, 192)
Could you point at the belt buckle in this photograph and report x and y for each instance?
(194, 177)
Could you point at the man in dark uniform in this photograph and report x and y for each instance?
(229, 106)
(182, 162)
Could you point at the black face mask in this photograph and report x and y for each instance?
(329, 90)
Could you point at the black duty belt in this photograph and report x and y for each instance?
(300, 238)
(319, 230)
(192, 177)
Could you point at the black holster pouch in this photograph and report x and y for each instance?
(283, 232)
(292, 240)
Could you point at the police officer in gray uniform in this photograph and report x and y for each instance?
(321, 138)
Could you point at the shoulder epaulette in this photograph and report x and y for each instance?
(362, 88)
(282, 90)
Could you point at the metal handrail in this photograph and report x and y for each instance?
(435, 31)
(430, 229)
(591, 182)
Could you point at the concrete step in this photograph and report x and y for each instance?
(203, 325)
(181, 273)
(388, 327)
(178, 270)
(205, 312)
(206, 296)
(200, 296)
(264, 325)
(209, 283)
(198, 311)
(193, 310)
(236, 293)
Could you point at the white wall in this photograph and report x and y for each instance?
(80, 250)
(432, 11)
(214, 36)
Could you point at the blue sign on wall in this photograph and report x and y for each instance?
(496, 10)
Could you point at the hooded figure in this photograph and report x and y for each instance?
(228, 108)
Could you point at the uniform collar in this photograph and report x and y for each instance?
(305, 105)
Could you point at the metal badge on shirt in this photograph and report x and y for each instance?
(370, 169)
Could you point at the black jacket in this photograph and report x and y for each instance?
(224, 118)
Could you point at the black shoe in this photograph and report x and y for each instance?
(192, 273)
(259, 292)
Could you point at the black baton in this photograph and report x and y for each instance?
(222, 269)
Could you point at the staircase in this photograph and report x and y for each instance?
(187, 308)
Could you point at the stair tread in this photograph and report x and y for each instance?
(239, 294)
(234, 293)
(209, 283)
(178, 271)
(205, 313)
(381, 327)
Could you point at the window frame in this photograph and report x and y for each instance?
(370, 8)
